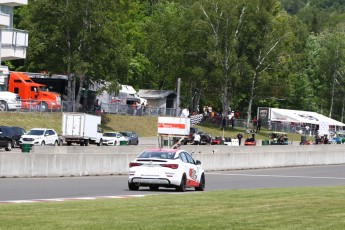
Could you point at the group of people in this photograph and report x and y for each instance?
(229, 120)
(138, 109)
(279, 138)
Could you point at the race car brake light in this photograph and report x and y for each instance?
(172, 166)
(133, 164)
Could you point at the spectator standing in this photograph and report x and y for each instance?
(231, 115)
(254, 121)
(223, 123)
(185, 112)
(239, 137)
(307, 129)
(258, 125)
(134, 108)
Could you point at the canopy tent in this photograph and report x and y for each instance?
(296, 116)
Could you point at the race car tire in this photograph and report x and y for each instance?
(133, 186)
(182, 186)
(201, 186)
(154, 187)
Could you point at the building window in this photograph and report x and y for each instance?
(7, 10)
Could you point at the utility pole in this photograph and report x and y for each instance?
(178, 97)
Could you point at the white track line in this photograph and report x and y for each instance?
(71, 199)
(278, 176)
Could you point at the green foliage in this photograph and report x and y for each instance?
(228, 53)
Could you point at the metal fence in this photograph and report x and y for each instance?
(71, 106)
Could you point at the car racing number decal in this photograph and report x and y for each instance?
(192, 174)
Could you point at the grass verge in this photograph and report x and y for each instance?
(291, 208)
(144, 126)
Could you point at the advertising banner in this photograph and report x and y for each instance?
(173, 125)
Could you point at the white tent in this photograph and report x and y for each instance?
(297, 116)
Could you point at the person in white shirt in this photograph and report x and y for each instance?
(197, 138)
(185, 112)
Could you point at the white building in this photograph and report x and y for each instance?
(13, 42)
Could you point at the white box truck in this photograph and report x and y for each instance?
(81, 128)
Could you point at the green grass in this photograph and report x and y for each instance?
(292, 208)
(143, 125)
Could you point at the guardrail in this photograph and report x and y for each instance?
(49, 161)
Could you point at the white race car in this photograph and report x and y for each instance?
(166, 168)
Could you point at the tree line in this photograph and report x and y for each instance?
(229, 54)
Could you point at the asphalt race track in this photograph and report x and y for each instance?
(14, 189)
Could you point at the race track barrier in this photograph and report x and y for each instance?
(59, 161)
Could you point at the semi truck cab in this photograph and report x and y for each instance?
(33, 95)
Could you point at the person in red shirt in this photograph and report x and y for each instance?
(255, 122)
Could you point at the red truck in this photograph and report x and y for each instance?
(33, 95)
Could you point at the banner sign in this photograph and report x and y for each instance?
(174, 125)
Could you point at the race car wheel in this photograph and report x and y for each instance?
(182, 187)
(133, 186)
(202, 184)
(154, 187)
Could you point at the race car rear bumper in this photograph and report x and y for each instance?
(150, 181)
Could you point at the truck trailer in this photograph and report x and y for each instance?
(81, 128)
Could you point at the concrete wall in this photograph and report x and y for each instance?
(50, 161)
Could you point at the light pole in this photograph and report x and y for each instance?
(178, 97)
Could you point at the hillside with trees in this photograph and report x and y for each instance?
(234, 54)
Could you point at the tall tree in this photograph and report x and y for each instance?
(77, 38)
(221, 23)
(266, 31)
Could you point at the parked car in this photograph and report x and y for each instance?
(131, 137)
(174, 168)
(205, 138)
(17, 133)
(40, 136)
(6, 138)
(113, 138)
